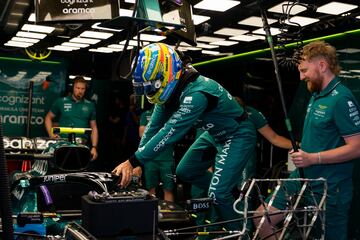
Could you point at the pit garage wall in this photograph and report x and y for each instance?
(15, 77)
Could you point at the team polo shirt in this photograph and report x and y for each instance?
(331, 115)
(72, 113)
(168, 152)
(256, 117)
(169, 126)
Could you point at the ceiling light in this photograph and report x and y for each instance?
(172, 16)
(193, 48)
(63, 48)
(183, 49)
(336, 8)
(247, 38)
(150, 38)
(231, 31)
(224, 43)
(37, 28)
(85, 40)
(209, 39)
(113, 49)
(116, 46)
(198, 19)
(74, 76)
(15, 24)
(134, 43)
(15, 14)
(208, 46)
(358, 17)
(28, 40)
(31, 35)
(122, 46)
(355, 70)
(256, 21)
(31, 18)
(264, 59)
(349, 50)
(96, 26)
(22, 3)
(216, 5)
(130, 1)
(18, 44)
(125, 12)
(287, 6)
(210, 52)
(273, 31)
(302, 21)
(93, 34)
(101, 50)
(77, 45)
(107, 49)
(184, 44)
(350, 61)
(346, 76)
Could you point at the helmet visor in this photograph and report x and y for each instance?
(138, 88)
(149, 88)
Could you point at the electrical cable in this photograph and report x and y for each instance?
(279, 82)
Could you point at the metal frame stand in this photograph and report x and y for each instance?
(313, 211)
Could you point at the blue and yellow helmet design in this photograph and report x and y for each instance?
(157, 71)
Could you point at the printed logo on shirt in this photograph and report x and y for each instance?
(334, 92)
(67, 107)
(322, 106)
(187, 100)
(351, 104)
(85, 108)
(320, 111)
(354, 113)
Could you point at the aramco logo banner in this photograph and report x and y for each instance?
(73, 10)
(16, 74)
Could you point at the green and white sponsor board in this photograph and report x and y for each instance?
(49, 81)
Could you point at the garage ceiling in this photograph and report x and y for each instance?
(218, 33)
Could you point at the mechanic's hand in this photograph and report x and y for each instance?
(126, 171)
(303, 159)
(53, 135)
(93, 153)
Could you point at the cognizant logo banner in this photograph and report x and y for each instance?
(14, 100)
(14, 111)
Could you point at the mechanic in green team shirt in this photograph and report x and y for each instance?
(183, 99)
(75, 111)
(161, 168)
(331, 139)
